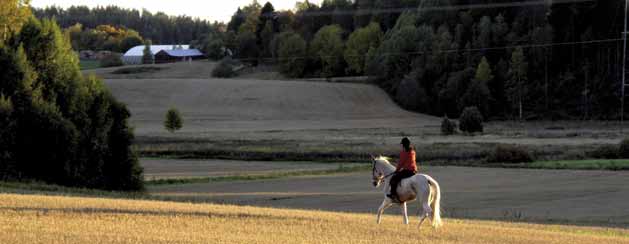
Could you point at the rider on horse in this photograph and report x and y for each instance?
(407, 167)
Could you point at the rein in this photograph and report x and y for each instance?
(373, 172)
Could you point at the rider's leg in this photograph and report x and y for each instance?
(393, 184)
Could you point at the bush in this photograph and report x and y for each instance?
(623, 150)
(224, 69)
(471, 120)
(605, 152)
(112, 60)
(509, 154)
(448, 127)
(173, 120)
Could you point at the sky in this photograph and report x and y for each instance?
(213, 10)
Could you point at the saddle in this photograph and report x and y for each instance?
(395, 182)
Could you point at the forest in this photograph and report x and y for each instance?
(511, 59)
(56, 125)
(159, 27)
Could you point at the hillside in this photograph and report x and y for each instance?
(60, 219)
(209, 105)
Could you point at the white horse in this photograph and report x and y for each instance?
(420, 186)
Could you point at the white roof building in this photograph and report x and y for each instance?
(134, 55)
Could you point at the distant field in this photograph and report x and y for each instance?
(60, 219)
(89, 64)
(201, 69)
(617, 164)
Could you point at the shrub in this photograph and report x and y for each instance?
(605, 151)
(112, 60)
(224, 69)
(471, 120)
(623, 150)
(509, 154)
(448, 127)
(173, 120)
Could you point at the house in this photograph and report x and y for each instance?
(134, 55)
(171, 56)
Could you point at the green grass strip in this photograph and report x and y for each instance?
(602, 164)
(176, 181)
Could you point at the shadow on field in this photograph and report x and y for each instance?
(210, 214)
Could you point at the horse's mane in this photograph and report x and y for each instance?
(383, 159)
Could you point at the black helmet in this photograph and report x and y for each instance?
(405, 141)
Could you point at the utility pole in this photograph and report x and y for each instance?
(624, 63)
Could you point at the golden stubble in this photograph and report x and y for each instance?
(61, 219)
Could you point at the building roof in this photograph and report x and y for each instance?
(182, 52)
(139, 50)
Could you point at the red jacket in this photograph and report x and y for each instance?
(407, 161)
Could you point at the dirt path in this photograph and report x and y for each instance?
(590, 197)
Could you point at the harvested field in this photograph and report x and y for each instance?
(232, 105)
(581, 197)
(62, 219)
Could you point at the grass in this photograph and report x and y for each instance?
(63, 219)
(602, 164)
(89, 64)
(136, 70)
(276, 175)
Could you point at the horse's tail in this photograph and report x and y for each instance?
(435, 204)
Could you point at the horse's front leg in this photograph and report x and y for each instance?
(404, 212)
(385, 204)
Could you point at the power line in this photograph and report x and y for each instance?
(449, 50)
(420, 8)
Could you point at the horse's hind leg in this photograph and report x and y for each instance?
(424, 210)
(385, 204)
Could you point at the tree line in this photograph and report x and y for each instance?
(103, 37)
(158, 27)
(511, 60)
(57, 125)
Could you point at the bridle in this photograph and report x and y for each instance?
(373, 173)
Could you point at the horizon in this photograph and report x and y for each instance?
(222, 13)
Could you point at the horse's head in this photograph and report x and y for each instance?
(377, 172)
